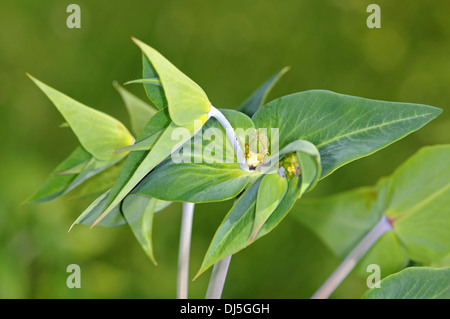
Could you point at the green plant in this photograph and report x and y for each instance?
(265, 156)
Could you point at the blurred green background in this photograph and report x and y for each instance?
(228, 48)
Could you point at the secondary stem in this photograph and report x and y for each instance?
(231, 135)
(184, 250)
(218, 276)
(350, 261)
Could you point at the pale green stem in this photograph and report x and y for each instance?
(352, 259)
(218, 276)
(231, 135)
(184, 250)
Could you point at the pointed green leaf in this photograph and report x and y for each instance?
(194, 182)
(233, 233)
(343, 128)
(257, 99)
(271, 191)
(97, 132)
(186, 100)
(154, 92)
(413, 283)
(139, 111)
(138, 212)
(56, 184)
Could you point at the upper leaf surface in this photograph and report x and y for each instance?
(343, 128)
(186, 100)
(138, 212)
(97, 132)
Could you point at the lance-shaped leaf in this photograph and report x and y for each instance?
(205, 169)
(271, 191)
(138, 212)
(343, 128)
(97, 132)
(414, 283)
(257, 99)
(186, 100)
(57, 183)
(139, 111)
(115, 217)
(154, 92)
(234, 232)
(416, 199)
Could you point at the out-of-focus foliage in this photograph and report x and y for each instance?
(228, 48)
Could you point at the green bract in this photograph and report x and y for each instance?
(186, 100)
(97, 132)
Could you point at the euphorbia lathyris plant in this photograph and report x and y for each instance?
(265, 156)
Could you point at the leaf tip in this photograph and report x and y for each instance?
(30, 76)
(137, 41)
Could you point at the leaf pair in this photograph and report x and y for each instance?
(98, 134)
(342, 128)
(263, 204)
(91, 127)
(416, 199)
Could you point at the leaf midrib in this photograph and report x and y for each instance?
(369, 128)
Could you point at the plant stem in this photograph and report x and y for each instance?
(231, 135)
(184, 250)
(218, 276)
(351, 260)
